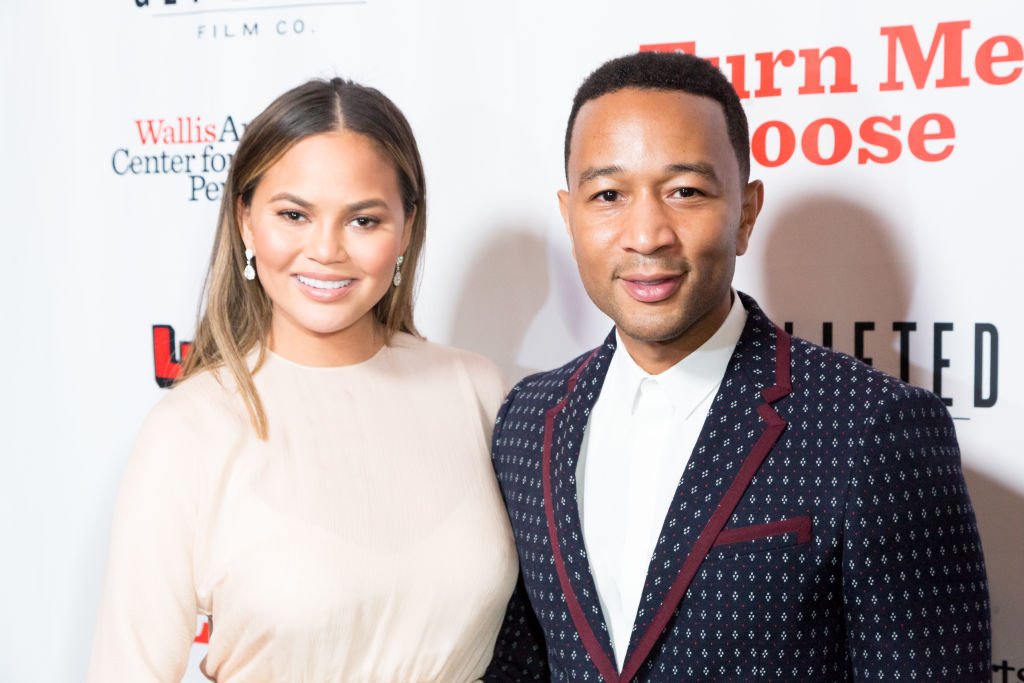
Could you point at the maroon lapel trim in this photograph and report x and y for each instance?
(774, 426)
(597, 653)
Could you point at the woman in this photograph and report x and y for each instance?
(319, 484)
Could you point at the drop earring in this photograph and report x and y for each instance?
(250, 271)
(397, 280)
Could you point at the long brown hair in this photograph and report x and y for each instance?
(235, 317)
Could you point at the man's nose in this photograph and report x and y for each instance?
(649, 225)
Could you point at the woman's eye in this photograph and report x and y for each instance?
(293, 216)
(365, 221)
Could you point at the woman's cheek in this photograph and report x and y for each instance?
(376, 255)
(276, 247)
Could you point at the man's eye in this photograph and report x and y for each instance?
(607, 195)
(687, 192)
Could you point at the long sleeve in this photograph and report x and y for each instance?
(147, 616)
(914, 587)
(519, 654)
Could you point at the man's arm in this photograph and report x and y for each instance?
(914, 586)
(520, 653)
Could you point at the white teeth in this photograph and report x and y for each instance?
(322, 284)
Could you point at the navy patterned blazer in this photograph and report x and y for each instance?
(821, 531)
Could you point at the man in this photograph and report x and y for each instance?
(703, 497)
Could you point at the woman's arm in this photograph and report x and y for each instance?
(147, 615)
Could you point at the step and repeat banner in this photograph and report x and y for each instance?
(887, 135)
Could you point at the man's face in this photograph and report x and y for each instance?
(657, 213)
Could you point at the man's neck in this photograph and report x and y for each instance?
(655, 357)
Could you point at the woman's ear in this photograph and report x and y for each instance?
(242, 217)
(410, 221)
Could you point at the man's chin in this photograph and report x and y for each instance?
(651, 334)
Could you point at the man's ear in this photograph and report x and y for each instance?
(563, 206)
(753, 199)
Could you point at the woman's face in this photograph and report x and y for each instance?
(326, 225)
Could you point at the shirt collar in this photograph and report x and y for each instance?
(688, 382)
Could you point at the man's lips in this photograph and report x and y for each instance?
(650, 289)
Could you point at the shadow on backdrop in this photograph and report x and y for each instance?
(827, 259)
(505, 288)
(1000, 513)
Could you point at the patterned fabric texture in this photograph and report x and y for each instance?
(821, 531)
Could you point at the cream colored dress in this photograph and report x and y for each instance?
(365, 540)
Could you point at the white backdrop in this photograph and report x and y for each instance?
(97, 251)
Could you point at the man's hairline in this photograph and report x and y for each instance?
(632, 86)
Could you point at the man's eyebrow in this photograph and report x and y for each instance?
(593, 173)
(699, 168)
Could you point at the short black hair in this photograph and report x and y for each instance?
(668, 71)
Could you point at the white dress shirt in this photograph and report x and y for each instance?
(636, 445)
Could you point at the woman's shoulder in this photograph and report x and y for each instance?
(487, 379)
(478, 366)
(196, 407)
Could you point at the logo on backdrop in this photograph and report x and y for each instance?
(192, 148)
(168, 357)
(932, 364)
(195, 147)
(934, 58)
(1008, 671)
(239, 20)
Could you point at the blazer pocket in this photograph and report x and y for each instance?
(744, 540)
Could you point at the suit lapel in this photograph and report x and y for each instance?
(564, 425)
(740, 430)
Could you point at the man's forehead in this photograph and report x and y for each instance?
(650, 120)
